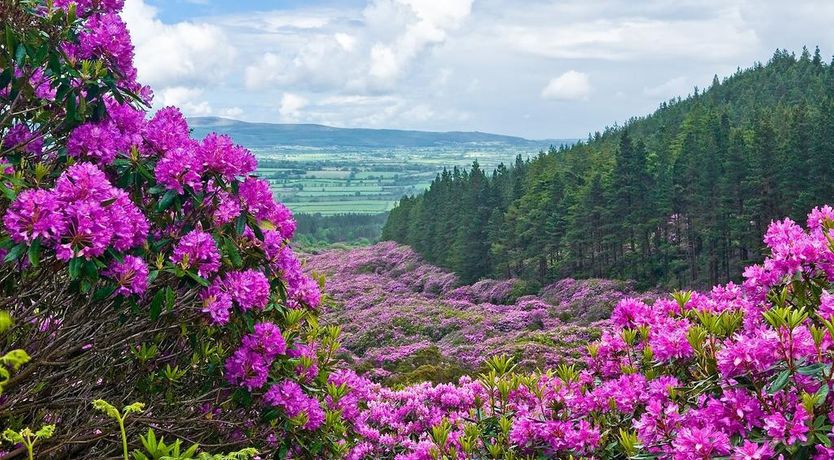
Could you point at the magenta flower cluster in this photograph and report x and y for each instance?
(249, 365)
(81, 216)
(290, 397)
(131, 275)
(197, 250)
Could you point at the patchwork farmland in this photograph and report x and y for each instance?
(338, 180)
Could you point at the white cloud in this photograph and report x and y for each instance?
(674, 87)
(291, 106)
(589, 33)
(370, 51)
(429, 26)
(571, 85)
(176, 54)
(188, 99)
(490, 65)
(346, 41)
(231, 112)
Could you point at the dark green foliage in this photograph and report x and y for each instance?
(679, 198)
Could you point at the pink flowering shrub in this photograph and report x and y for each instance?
(740, 372)
(140, 263)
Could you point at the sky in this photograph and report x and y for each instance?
(533, 68)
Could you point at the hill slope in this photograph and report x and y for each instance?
(405, 321)
(261, 135)
(680, 197)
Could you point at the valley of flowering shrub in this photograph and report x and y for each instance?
(404, 320)
(146, 270)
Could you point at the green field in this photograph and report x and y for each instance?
(366, 181)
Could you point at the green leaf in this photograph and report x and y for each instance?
(10, 38)
(231, 250)
(5, 77)
(270, 415)
(822, 393)
(75, 266)
(135, 407)
(170, 299)
(166, 200)
(152, 276)
(156, 304)
(35, 253)
(107, 408)
(20, 54)
(198, 278)
(71, 107)
(12, 436)
(15, 253)
(15, 359)
(814, 369)
(242, 397)
(780, 382)
(103, 293)
(90, 268)
(240, 225)
(45, 432)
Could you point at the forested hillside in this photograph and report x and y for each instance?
(678, 198)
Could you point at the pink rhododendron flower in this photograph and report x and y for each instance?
(35, 214)
(197, 250)
(131, 275)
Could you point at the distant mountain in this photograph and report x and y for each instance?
(260, 135)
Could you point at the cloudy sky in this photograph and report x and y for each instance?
(533, 68)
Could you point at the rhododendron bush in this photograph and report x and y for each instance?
(138, 263)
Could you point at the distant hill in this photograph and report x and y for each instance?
(261, 135)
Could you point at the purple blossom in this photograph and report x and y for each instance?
(130, 227)
(198, 250)
(290, 397)
(88, 232)
(257, 196)
(218, 154)
(249, 365)
(106, 36)
(20, 137)
(94, 141)
(131, 275)
(227, 210)
(249, 289)
(179, 168)
(266, 340)
(247, 368)
(308, 352)
(166, 131)
(701, 443)
(34, 214)
(83, 181)
(128, 124)
(217, 304)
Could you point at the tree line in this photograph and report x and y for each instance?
(679, 198)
